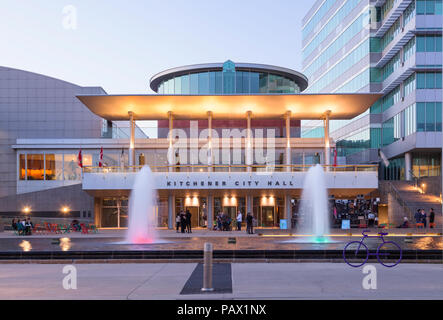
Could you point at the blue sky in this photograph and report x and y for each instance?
(119, 45)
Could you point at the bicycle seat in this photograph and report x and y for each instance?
(383, 233)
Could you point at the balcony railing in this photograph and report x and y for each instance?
(232, 168)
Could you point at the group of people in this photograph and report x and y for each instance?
(224, 221)
(183, 221)
(421, 217)
(23, 227)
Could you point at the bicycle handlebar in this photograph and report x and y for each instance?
(363, 232)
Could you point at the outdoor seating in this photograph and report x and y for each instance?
(56, 228)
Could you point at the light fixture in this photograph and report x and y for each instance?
(26, 209)
(65, 209)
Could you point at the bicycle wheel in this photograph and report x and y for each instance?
(389, 254)
(355, 253)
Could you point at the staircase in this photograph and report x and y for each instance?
(414, 199)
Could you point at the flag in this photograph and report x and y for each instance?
(335, 157)
(100, 163)
(79, 158)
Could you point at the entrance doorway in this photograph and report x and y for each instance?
(230, 212)
(194, 215)
(267, 216)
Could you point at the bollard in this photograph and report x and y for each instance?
(207, 268)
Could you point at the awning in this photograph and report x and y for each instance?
(196, 107)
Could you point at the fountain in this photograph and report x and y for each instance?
(313, 211)
(141, 225)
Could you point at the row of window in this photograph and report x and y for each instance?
(418, 117)
(350, 60)
(314, 22)
(51, 166)
(429, 7)
(332, 25)
(218, 82)
(429, 43)
(409, 13)
(335, 46)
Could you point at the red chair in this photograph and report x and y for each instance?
(84, 228)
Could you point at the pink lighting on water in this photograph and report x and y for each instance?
(141, 226)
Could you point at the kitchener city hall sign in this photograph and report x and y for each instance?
(220, 180)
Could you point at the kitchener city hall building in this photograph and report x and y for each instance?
(228, 139)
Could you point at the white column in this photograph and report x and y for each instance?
(209, 142)
(249, 204)
(288, 140)
(171, 211)
(327, 147)
(171, 155)
(210, 211)
(408, 166)
(248, 150)
(131, 139)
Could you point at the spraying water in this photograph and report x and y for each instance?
(313, 212)
(141, 227)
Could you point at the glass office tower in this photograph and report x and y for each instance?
(393, 47)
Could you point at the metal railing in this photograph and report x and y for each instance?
(396, 194)
(233, 168)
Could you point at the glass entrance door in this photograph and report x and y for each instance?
(267, 217)
(194, 216)
(230, 212)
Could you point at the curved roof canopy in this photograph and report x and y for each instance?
(156, 107)
(296, 76)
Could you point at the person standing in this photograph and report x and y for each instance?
(239, 220)
(423, 217)
(177, 221)
(249, 228)
(188, 221)
(431, 218)
(417, 217)
(182, 221)
(371, 218)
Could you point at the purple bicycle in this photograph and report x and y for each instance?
(356, 253)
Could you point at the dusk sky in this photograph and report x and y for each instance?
(119, 45)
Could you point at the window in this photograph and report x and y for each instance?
(430, 116)
(421, 116)
(54, 167)
(22, 167)
(35, 166)
(203, 83)
(185, 84)
(429, 7)
(194, 83)
(71, 169)
(409, 85)
(429, 80)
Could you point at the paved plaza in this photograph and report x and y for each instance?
(249, 281)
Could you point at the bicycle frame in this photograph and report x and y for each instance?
(380, 236)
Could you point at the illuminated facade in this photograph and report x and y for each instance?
(231, 143)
